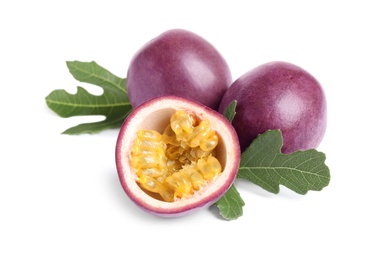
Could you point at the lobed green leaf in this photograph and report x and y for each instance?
(231, 204)
(263, 164)
(113, 103)
(230, 113)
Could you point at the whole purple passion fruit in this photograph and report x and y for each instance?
(174, 156)
(180, 63)
(278, 95)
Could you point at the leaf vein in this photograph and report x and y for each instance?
(96, 76)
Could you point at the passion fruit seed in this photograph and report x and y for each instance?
(178, 162)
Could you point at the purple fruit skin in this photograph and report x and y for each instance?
(180, 63)
(278, 95)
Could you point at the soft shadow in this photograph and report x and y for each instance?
(128, 206)
(245, 186)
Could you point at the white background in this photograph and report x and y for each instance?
(60, 197)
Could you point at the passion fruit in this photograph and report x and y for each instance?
(181, 63)
(278, 95)
(175, 155)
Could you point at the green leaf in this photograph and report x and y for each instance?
(264, 164)
(230, 113)
(230, 205)
(113, 103)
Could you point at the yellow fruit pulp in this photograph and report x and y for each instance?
(178, 162)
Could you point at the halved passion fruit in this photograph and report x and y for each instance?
(174, 155)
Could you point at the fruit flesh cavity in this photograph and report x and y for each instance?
(155, 115)
(173, 165)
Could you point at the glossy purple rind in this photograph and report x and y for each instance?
(279, 95)
(181, 63)
(230, 151)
